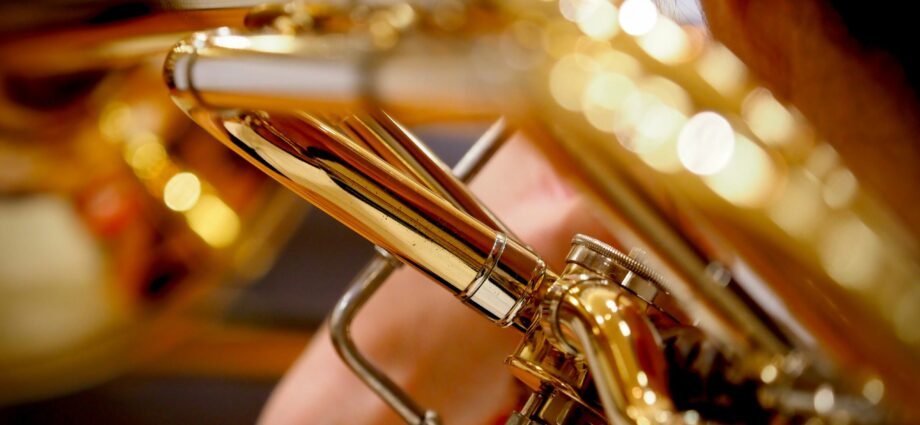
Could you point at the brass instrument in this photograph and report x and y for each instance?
(775, 288)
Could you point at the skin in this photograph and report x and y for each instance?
(452, 360)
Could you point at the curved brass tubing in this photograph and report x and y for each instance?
(372, 278)
(229, 69)
(603, 323)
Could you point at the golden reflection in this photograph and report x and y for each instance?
(631, 112)
(558, 38)
(643, 117)
(662, 157)
(147, 157)
(769, 373)
(824, 399)
(401, 15)
(604, 98)
(642, 378)
(722, 69)
(636, 393)
(840, 188)
(631, 411)
(600, 22)
(232, 42)
(638, 17)
(520, 45)
(706, 143)
(213, 221)
(649, 397)
(767, 118)
(749, 177)
(691, 417)
(624, 328)
(138, 139)
(592, 49)
(383, 33)
(273, 43)
(822, 160)
(567, 80)
(907, 316)
(572, 10)
(799, 210)
(668, 92)
(659, 122)
(115, 120)
(873, 390)
(182, 191)
(666, 42)
(851, 252)
(618, 62)
(656, 136)
(612, 305)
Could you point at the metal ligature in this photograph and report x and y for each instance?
(765, 284)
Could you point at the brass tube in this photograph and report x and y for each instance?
(344, 179)
(421, 79)
(605, 325)
(432, 167)
(477, 263)
(396, 145)
(373, 138)
(370, 280)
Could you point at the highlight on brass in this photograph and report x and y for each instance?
(748, 169)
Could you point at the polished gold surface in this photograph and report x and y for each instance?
(767, 237)
(591, 316)
(349, 182)
(622, 350)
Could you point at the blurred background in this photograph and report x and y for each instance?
(165, 281)
(218, 358)
(147, 274)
